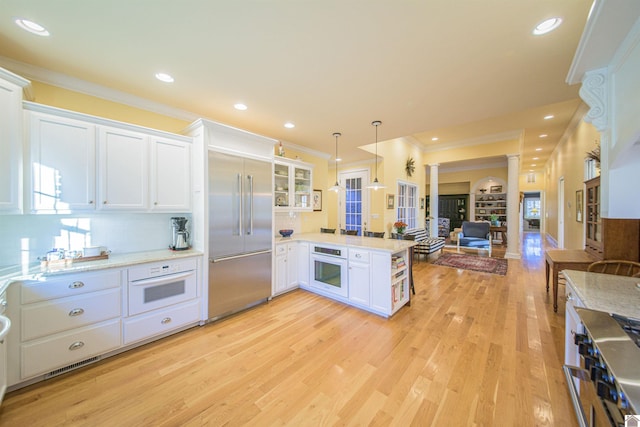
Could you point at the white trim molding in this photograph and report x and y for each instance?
(595, 92)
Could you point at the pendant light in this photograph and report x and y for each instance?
(336, 187)
(375, 185)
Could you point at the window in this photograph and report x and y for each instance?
(532, 208)
(407, 204)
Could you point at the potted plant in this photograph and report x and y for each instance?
(494, 220)
(399, 226)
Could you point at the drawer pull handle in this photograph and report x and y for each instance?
(76, 312)
(166, 320)
(76, 345)
(358, 256)
(76, 285)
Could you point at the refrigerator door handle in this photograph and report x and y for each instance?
(212, 260)
(250, 230)
(240, 216)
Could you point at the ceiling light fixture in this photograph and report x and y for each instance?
(240, 106)
(435, 138)
(549, 117)
(164, 77)
(547, 26)
(536, 158)
(544, 135)
(375, 185)
(336, 187)
(289, 125)
(32, 27)
(538, 149)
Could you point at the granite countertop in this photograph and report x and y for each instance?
(373, 243)
(607, 292)
(33, 271)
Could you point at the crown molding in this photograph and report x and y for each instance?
(82, 86)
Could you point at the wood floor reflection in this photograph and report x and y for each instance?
(472, 349)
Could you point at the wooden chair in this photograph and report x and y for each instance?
(349, 232)
(379, 234)
(616, 266)
(328, 230)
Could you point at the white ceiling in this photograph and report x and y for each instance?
(460, 70)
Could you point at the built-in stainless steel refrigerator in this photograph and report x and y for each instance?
(240, 234)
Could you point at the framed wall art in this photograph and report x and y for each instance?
(317, 200)
(579, 205)
(390, 201)
(495, 189)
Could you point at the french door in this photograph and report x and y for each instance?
(354, 201)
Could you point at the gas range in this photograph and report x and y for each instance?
(610, 349)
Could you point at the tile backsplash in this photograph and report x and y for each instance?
(286, 221)
(27, 237)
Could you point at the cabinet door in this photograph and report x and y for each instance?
(302, 187)
(292, 265)
(359, 283)
(303, 263)
(170, 175)
(10, 147)
(280, 269)
(124, 170)
(63, 167)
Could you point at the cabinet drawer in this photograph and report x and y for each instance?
(68, 285)
(160, 321)
(358, 255)
(61, 350)
(50, 317)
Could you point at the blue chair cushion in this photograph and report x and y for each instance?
(474, 242)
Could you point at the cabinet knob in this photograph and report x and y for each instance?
(358, 255)
(76, 345)
(76, 312)
(90, 202)
(104, 203)
(75, 285)
(166, 320)
(155, 203)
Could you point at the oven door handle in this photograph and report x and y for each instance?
(571, 372)
(162, 279)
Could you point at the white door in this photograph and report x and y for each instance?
(561, 213)
(354, 201)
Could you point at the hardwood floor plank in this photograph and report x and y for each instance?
(473, 349)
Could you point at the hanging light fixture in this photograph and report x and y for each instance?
(376, 184)
(336, 187)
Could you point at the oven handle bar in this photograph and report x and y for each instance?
(569, 373)
(162, 279)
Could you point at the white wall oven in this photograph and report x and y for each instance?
(162, 284)
(328, 268)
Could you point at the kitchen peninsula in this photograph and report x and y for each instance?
(369, 273)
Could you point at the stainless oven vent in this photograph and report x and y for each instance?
(71, 367)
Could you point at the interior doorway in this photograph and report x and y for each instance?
(353, 208)
(531, 211)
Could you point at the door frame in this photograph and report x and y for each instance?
(363, 174)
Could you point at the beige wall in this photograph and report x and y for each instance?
(75, 101)
(567, 162)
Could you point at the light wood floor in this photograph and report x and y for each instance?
(473, 349)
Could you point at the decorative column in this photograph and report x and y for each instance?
(513, 207)
(433, 200)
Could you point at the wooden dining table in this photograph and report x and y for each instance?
(565, 259)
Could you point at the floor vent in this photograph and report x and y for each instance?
(71, 367)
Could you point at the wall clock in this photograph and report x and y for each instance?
(410, 166)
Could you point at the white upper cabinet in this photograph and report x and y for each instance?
(80, 163)
(11, 141)
(293, 183)
(123, 177)
(63, 164)
(170, 175)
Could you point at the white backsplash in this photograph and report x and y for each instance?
(286, 221)
(27, 237)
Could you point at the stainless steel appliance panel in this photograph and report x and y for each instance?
(237, 283)
(258, 205)
(225, 205)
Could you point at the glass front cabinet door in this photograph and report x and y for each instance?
(293, 185)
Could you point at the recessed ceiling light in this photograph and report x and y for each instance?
(538, 149)
(549, 117)
(544, 135)
(530, 170)
(435, 138)
(240, 106)
(32, 27)
(338, 159)
(289, 125)
(546, 26)
(533, 165)
(164, 77)
(536, 158)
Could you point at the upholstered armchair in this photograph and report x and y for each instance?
(475, 235)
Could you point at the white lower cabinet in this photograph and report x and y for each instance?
(159, 322)
(303, 263)
(286, 267)
(359, 277)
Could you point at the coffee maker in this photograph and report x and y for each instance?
(180, 235)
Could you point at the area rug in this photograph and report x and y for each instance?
(473, 262)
